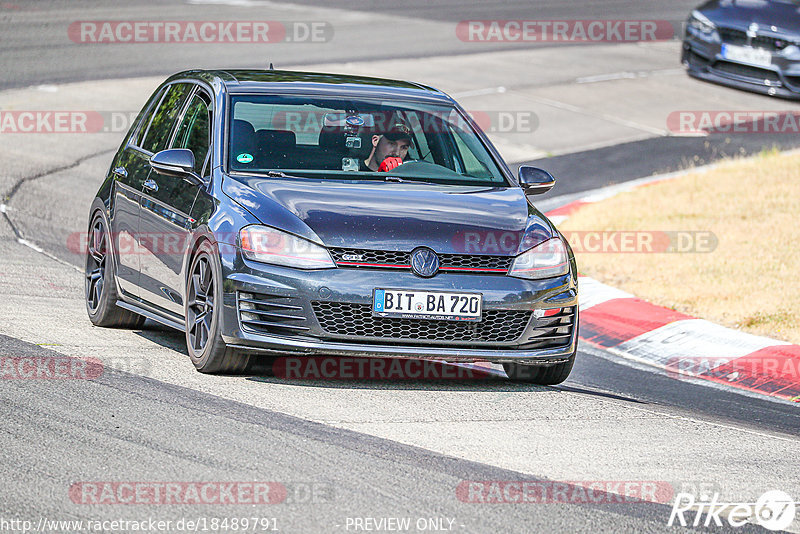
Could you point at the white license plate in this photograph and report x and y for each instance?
(745, 54)
(410, 304)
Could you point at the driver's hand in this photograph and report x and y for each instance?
(390, 163)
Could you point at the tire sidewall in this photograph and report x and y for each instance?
(214, 345)
(108, 272)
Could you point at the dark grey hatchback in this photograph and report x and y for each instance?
(274, 213)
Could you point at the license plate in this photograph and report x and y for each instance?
(410, 304)
(745, 54)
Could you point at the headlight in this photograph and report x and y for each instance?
(700, 22)
(545, 260)
(268, 245)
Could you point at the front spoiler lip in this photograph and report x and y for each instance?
(278, 346)
(779, 91)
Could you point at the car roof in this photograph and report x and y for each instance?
(314, 83)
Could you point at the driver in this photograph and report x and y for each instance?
(388, 150)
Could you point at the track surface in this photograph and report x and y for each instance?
(375, 449)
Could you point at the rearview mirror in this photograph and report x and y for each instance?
(178, 162)
(535, 181)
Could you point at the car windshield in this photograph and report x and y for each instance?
(348, 139)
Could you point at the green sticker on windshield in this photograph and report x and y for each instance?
(244, 158)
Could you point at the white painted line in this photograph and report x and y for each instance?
(622, 358)
(606, 117)
(607, 77)
(591, 293)
(627, 75)
(38, 249)
(694, 339)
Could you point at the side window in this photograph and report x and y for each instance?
(160, 127)
(194, 131)
(147, 113)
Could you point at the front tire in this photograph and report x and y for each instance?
(100, 281)
(203, 310)
(540, 375)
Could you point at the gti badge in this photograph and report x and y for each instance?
(352, 257)
(424, 262)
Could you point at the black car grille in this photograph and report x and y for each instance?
(739, 38)
(754, 74)
(357, 321)
(271, 314)
(551, 331)
(384, 259)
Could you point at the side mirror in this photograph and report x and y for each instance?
(178, 162)
(534, 181)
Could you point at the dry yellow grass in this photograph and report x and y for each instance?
(751, 281)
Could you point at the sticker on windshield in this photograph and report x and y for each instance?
(244, 158)
(354, 120)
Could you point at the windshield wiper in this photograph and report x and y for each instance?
(399, 180)
(280, 174)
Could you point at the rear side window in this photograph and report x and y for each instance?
(194, 131)
(160, 127)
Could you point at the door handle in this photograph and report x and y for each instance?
(151, 185)
(121, 172)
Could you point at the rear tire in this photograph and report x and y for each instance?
(203, 310)
(100, 281)
(540, 375)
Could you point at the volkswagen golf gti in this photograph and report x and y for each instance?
(276, 213)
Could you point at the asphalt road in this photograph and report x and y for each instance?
(354, 449)
(38, 49)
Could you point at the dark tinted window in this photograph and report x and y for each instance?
(164, 118)
(148, 112)
(194, 131)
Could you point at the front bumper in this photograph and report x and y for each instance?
(302, 290)
(704, 60)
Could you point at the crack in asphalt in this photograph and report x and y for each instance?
(7, 198)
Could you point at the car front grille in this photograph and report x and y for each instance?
(752, 74)
(284, 316)
(739, 38)
(553, 330)
(384, 259)
(271, 314)
(504, 327)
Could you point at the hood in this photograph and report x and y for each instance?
(784, 15)
(392, 216)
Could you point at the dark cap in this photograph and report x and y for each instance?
(398, 131)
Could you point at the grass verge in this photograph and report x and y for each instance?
(751, 278)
